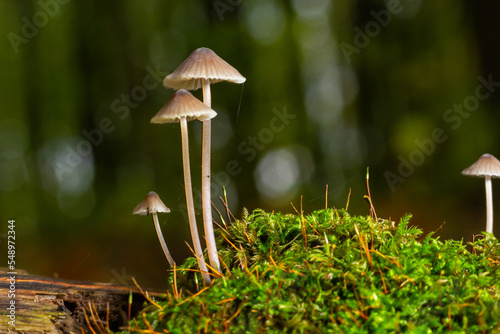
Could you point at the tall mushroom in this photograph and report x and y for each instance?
(153, 205)
(200, 69)
(184, 107)
(487, 166)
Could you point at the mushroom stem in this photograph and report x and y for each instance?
(205, 183)
(170, 259)
(207, 94)
(489, 204)
(190, 203)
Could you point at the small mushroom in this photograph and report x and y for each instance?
(183, 107)
(487, 166)
(153, 205)
(200, 69)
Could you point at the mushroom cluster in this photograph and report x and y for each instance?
(201, 68)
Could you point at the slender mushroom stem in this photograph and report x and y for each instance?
(190, 203)
(489, 204)
(170, 259)
(205, 183)
(207, 94)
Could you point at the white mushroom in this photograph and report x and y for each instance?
(183, 107)
(153, 205)
(487, 166)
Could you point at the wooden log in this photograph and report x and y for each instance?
(34, 304)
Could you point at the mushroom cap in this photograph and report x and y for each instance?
(151, 204)
(486, 165)
(183, 104)
(202, 63)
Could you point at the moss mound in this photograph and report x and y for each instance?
(330, 272)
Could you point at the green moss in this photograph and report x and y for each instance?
(330, 272)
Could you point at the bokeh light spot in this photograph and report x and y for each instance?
(280, 172)
(265, 20)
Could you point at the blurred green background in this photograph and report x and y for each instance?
(407, 88)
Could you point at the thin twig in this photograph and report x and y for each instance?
(146, 296)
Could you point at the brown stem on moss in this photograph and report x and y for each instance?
(190, 203)
(169, 257)
(205, 183)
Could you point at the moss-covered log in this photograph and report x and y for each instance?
(330, 272)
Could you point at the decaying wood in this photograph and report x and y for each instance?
(45, 305)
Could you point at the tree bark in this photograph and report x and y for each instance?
(46, 305)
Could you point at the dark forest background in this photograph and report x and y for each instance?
(407, 88)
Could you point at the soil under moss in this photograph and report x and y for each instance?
(332, 272)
